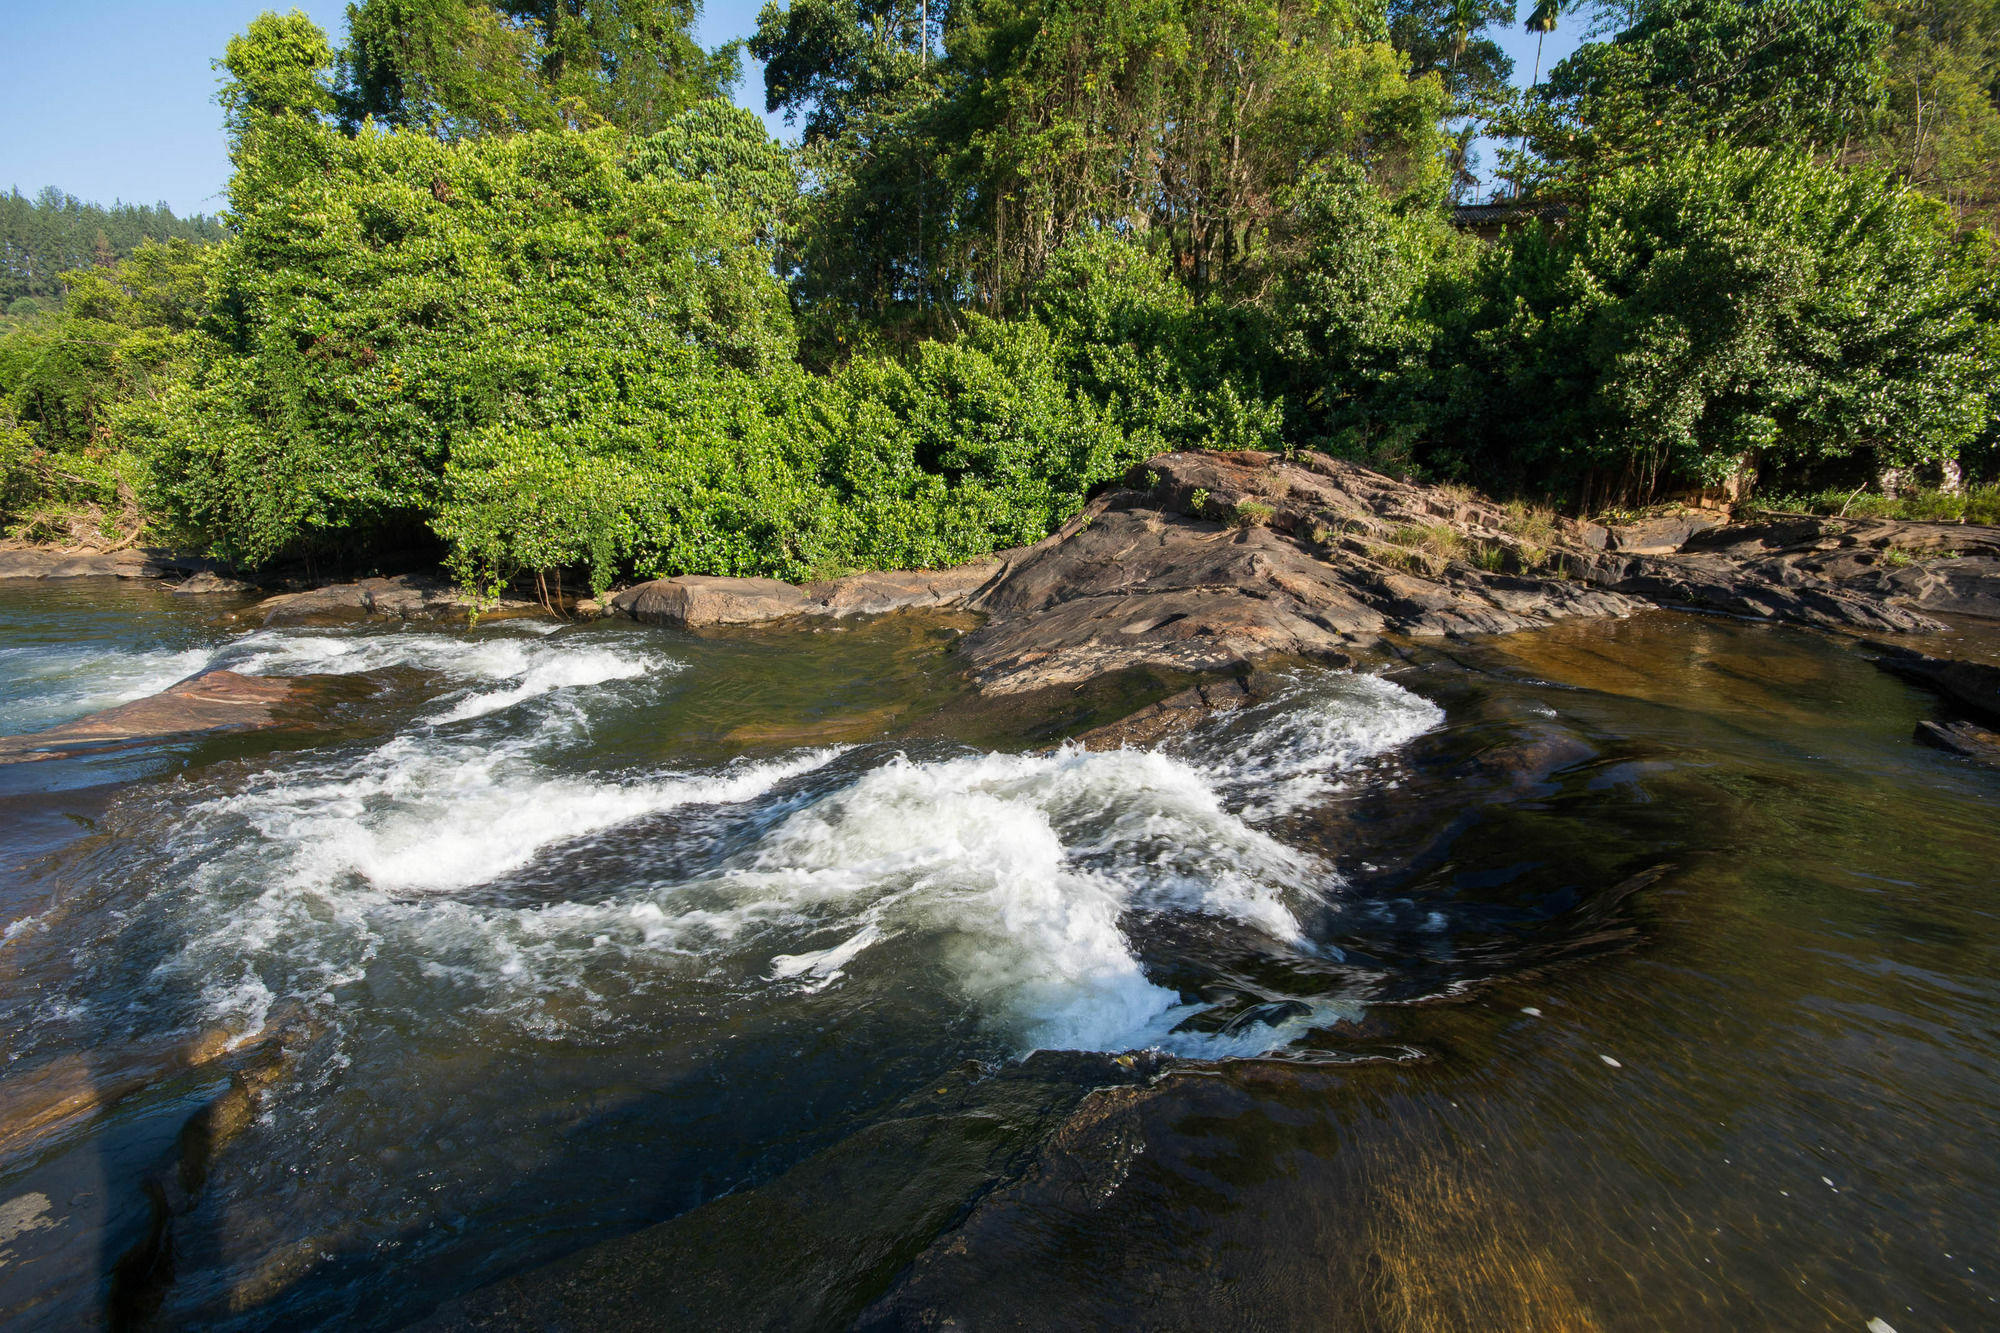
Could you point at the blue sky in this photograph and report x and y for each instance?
(114, 99)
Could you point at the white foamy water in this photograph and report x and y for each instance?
(1021, 869)
(1020, 883)
(498, 670)
(55, 683)
(1292, 752)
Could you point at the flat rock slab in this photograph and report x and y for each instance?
(902, 589)
(22, 561)
(697, 601)
(403, 597)
(212, 701)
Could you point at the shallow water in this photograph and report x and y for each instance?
(1624, 976)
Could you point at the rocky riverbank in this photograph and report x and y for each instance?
(1206, 563)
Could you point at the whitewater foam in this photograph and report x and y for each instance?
(56, 683)
(522, 666)
(1023, 884)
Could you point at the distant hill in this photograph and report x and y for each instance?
(42, 237)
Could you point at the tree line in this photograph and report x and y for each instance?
(43, 237)
(514, 280)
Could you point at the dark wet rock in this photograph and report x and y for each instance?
(20, 560)
(175, 1183)
(1964, 739)
(212, 701)
(403, 597)
(209, 584)
(1172, 715)
(1963, 587)
(1972, 687)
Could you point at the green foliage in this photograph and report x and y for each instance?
(1788, 73)
(453, 68)
(1353, 317)
(1170, 370)
(75, 384)
(1940, 125)
(277, 69)
(503, 278)
(1725, 309)
(1970, 504)
(373, 314)
(446, 67)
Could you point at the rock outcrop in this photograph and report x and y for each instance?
(1866, 574)
(212, 701)
(1963, 739)
(698, 601)
(1205, 562)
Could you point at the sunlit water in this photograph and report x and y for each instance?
(1619, 976)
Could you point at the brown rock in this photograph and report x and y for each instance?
(403, 597)
(1659, 536)
(696, 601)
(23, 560)
(213, 701)
(206, 584)
(902, 589)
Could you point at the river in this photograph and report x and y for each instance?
(1633, 975)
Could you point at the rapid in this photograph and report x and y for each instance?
(556, 932)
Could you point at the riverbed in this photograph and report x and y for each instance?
(1626, 975)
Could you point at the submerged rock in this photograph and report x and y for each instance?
(1174, 714)
(212, 701)
(1973, 687)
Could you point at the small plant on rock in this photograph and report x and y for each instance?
(1251, 514)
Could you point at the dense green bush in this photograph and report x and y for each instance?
(372, 315)
(1726, 310)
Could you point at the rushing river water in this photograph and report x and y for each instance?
(1624, 976)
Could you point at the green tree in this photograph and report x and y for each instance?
(1725, 311)
(1785, 73)
(446, 67)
